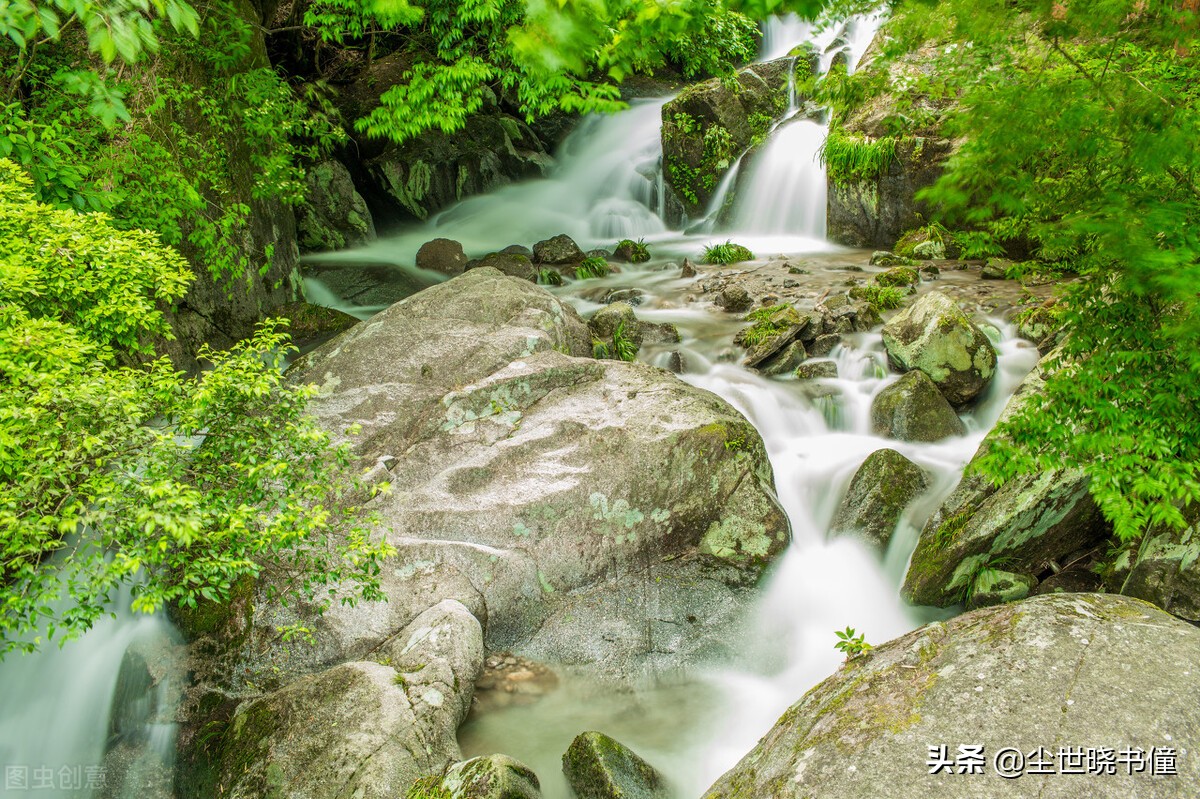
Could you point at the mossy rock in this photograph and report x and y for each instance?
(900, 276)
(885, 484)
(598, 767)
(912, 409)
(307, 321)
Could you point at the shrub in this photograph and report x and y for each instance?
(727, 253)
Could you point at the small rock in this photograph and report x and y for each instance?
(734, 299)
(511, 265)
(791, 357)
(817, 370)
(561, 249)
(994, 270)
(631, 296)
(597, 767)
(599, 253)
(995, 587)
(929, 251)
(882, 488)
(518, 249)
(490, 777)
(823, 345)
(442, 255)
(688, 269)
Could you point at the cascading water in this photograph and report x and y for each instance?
(96, 717)
(785, 188)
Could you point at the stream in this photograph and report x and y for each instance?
(55, 706)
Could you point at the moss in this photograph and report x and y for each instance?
(218, 618)
(899, 276)
(768, 322)
(850, 159)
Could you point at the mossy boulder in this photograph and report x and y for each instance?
(900, 276)
(334, 215)
(934, 336)
(912, 409)
(1165, 571)
(560, 249)
(1064, 670)
(772, 330)
(598, 767)
(708, 125)
(489, 777)
(888, 259)
(881, 489)
(817, 370)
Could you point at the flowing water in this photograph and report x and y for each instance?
(608, 186)
(55, 706)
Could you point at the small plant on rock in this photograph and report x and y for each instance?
(636, 252)
(625, 347)
(853, 645)
(591, 267)
(727, 253)
(549, 277)
(884, 298)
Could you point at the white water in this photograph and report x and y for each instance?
(55, 725)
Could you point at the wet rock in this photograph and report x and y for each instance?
(631, 252)
(511, 264)
(307, 322)
(518, 249)
(677, 363)
(900, 276)
(786, 362)
(489, 777)
(707, 125)
(688, 269)
(996, 587)
(333, 216)
(631, 296)
(936, 337)
(597, 767)
(878, 494)
(560, 249)
(734, 299)
(363, 728)
(599, 253)
(442, 255)
(889, 259)
(1028, 675)
(993, 271)
(533, 467)
(774, 329)
(823, 345)
(817, 370)
(660, 333)
(617, 316)
(912, 409)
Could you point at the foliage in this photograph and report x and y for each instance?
(768, 322)
(626, 349)
(591, 267)
(549, 277)
(114, 474)
(637, 251)
(849, 158)
(1079, 126)
(852, 645)
(898, 276)
(884, 298)
(599, 349)
(726, 253)
(977, 245)
(725, 39)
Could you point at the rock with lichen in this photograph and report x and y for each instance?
(934, 336)
(1063, 670)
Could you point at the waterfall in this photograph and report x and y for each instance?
(785, 187)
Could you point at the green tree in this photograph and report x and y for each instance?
(1080, 124)
(112, 474)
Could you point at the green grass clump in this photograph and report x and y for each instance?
(727, 253)
(626, 348)
(635, 251)
(884, 298)
(853, 159)
(768, 322)
(591, 267)
(549, 277)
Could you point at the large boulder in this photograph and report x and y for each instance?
(1022, 527)
(334, 215)
(364, 728)
(709, 124)
(912, 409)
(873, 210)
(1044, 678)
(597, 767)
(935, 336)
(520, 472)
(879, 492)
